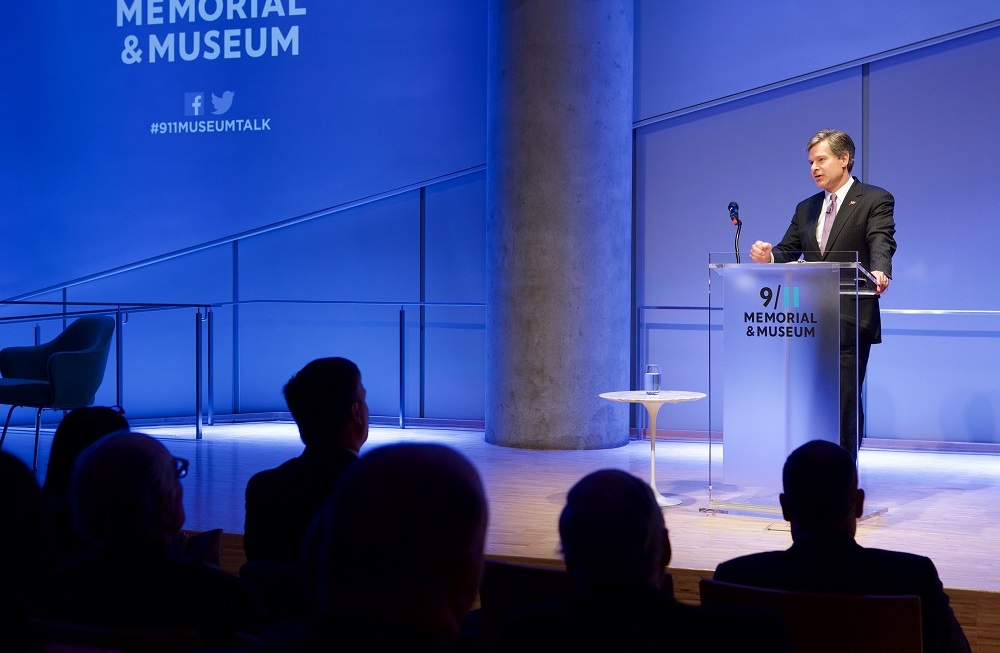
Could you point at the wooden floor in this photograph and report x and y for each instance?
(942, 505)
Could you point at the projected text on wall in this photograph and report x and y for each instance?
(190, 45)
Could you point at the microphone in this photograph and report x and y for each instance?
(734, 215)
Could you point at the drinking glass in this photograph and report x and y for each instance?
(651, 380)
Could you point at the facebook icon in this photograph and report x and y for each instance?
(194, 104)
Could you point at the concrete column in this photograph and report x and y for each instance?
(559, 170)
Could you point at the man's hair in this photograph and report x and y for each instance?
(840, 144)
(612, 530)
(320, 396)
(119, 486)
(405, 520)
(79, 429)
(820, 484)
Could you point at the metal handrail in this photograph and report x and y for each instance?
(120, 311)
(345, 302)
(642, 322)
(204, 313)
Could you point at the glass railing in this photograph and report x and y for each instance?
(417, 342)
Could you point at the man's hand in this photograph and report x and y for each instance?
(881, 280)
(761, 252)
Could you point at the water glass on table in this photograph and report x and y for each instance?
(651, 380)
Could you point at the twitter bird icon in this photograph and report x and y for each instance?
(222, 104)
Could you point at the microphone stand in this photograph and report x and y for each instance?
(736, 245)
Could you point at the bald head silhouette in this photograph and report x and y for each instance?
(821, 493)
(403, 535)
(125, 491)
(612, 531)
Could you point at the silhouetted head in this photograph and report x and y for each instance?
(327, 402)
(402, 537)
(79, 429)
(613, 533)
(821, 492)
(126, 491)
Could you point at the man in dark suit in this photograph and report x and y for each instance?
(327, 401)
(616, 548)
(848, 216)
(395, 556)
(127, 499)
(822, 501)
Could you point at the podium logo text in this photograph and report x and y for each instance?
(777, 323)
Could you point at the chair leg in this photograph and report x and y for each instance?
(5, 425)
(38, 428)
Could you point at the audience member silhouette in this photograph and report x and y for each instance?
(78, 429)
(822, 501)
(126, 496)
(327, 401)
(616, 547)
(397, 553)
(22, 549)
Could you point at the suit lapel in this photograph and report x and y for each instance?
(844, 214)
(814, 210)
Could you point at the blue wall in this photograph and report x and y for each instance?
(924, 126)
(377, 131)
(371, 96)
(689, 54)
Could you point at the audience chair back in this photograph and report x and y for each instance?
(63, 374)
(507, 587)
(819, 623)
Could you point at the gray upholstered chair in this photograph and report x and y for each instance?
(61, 374)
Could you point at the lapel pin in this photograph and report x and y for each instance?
(853, 202)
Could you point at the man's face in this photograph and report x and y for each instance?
(828, 171)
(359, 412)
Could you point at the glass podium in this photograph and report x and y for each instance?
(775, 332)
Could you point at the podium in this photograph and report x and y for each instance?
(781, 329)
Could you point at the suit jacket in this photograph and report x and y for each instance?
(839, 565)
(152, 587)
(282, 502)
(864, 225)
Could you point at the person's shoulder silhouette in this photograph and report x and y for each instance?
(327, 402)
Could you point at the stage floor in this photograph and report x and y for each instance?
(936, 504)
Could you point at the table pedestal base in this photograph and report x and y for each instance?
(665, 502)
(652, 402)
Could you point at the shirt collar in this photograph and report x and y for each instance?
(841, 192)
